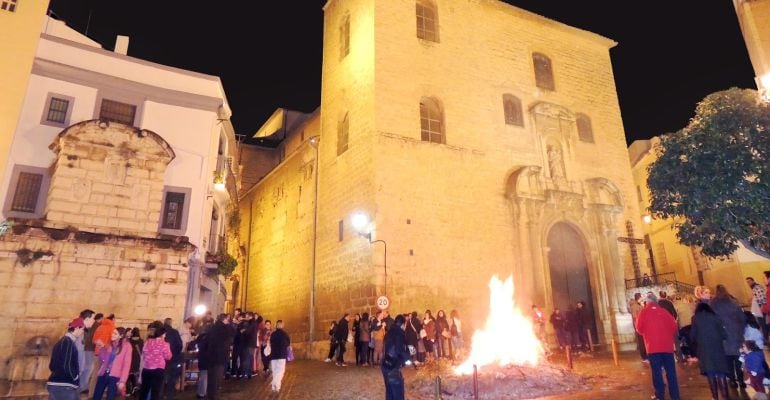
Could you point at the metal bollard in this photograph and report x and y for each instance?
(590, 340)
(568, 348)
(615, 352)
(438, 388)
(475, 383)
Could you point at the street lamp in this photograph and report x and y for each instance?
(362, 224)
(200, 309)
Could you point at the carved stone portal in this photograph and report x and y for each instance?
(589, 208)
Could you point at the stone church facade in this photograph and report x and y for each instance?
(481, 139)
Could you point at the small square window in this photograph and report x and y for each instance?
(8, 5)
(175, 209)
(57, 111)
(117, 112)
(27, 192)
(172, 217)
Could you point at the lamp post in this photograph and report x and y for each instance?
(361, 224)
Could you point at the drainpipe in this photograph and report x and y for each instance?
(314, 141)
(245, 288)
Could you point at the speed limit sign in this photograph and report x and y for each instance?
(383, 302)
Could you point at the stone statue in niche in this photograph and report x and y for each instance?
(555, 162)
(115, 170)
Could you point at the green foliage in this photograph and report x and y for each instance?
(227, 265)
(234, 220)
(713, 176)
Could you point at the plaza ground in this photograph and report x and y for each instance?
(316, 380)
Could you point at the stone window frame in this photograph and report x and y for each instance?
(584, 128)
(185, 210)
(544, 79)
(47, 108)
(344, 30)
(42, 195)
(426, 20)
(431, 114)
(343, 134)
(120, 97)
(512, 110)
(9, 5)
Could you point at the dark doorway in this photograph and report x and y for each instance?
(570, 282)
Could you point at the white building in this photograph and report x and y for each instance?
(73, 80)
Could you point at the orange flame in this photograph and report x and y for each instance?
(507, 338)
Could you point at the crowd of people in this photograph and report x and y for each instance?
(430, 338)
(96, 357)
(571, 328)
(712, 330)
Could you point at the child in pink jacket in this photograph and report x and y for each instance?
(115, 359)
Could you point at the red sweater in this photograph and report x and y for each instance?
(657, 327)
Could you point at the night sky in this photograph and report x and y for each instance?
(670, 54)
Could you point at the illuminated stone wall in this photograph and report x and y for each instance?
(467, 214)
(454, 214)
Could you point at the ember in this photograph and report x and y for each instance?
(496, 382)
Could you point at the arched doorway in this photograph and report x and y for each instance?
(570, 281)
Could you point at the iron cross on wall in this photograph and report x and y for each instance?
(632, 241)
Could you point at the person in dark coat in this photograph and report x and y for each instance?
(219, 340)
(559, 326)
(709, 334)
(396, 354)
(572, 325)
(412, 333)
(248, 331)
(174, 365)
(341, 337)
(581, 325)
(731, 314)
(279, 345)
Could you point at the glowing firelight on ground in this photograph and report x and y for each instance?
(507, 337)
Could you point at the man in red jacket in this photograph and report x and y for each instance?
(659, 329)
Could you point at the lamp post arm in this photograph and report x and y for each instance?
(385, 260)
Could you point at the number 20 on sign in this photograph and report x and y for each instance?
(383, 302)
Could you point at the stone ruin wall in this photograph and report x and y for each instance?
(48, 275)
(97, 247)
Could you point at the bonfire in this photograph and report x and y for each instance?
(507, 355)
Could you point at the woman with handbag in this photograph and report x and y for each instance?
(442, 334)
(116, 365)
(429, 334)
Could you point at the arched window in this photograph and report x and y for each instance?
(342, 134)
(543, 71)
(427, 20)
(345, 36)
(585, 131)
(512, 110)
(431, 121)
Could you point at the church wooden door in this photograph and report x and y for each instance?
(570, 282)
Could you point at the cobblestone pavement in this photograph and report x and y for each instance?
(316, 380)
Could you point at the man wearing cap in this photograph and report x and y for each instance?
(659, 328)
(64, 381)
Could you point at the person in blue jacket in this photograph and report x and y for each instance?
(64, 381)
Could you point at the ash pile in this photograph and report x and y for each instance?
(495, 382)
